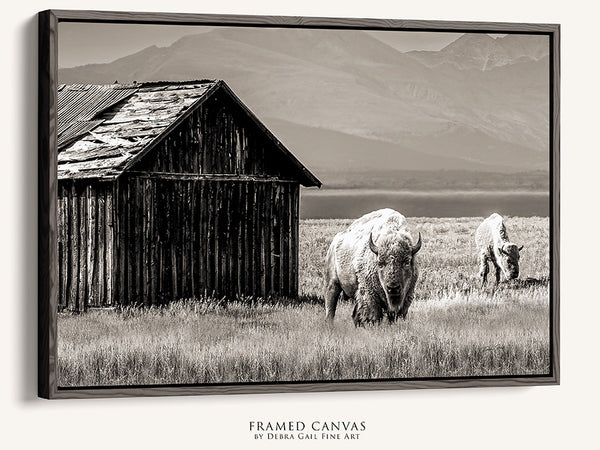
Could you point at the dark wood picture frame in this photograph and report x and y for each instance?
(47, 206)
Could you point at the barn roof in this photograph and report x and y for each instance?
(102, 130)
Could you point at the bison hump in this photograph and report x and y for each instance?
(376, 221)
(491, 231)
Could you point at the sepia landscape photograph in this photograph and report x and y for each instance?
(269, 205)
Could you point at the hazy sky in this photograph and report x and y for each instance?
(85, 43)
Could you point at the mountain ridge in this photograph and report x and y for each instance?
(483, 52)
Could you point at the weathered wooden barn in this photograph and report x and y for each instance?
(172, 190)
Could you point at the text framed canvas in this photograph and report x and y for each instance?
(255, 204)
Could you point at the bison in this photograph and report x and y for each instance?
(495, 247)
(373, 262)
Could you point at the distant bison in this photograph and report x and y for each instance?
(372, 262)
(494, 246)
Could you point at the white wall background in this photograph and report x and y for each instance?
(548, 417)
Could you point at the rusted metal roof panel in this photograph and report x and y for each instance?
(75, 130)
(82, 103)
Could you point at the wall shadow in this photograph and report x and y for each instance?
(27, 217)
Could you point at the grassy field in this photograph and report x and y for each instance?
(454, 327)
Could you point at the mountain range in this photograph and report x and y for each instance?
(345, 100)
(482, 52)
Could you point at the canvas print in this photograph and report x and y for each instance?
(268, 205)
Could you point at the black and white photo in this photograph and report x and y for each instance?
(343, 205)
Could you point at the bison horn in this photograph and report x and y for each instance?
(417, 246)
(521, 247)
(372, 245)
(503, 251)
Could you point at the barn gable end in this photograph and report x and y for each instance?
(219, 135)
(205, 203)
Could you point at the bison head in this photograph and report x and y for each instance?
(395, 266)
(509, 260)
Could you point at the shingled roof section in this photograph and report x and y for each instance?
(103, 129)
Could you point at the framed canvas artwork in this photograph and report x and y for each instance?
(250, 204)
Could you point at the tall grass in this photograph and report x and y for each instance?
(454, 328)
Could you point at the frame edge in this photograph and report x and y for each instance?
(71, 15)
(47, 252)
(555, 140)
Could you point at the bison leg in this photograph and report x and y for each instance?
(498, 271)
(392, 316)
(404, 310)
(408, 299)
(366, 312)
(484, 268)
(355, 316)
(332, 293)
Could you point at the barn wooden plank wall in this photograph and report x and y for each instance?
(223, 244)
(85, 244)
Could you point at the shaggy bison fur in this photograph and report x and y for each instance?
(373, 262)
